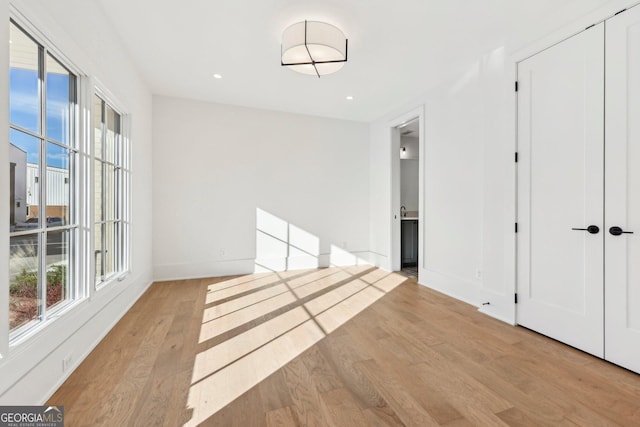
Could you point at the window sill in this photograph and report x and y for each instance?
(36, 330)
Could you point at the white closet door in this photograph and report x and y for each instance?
(622, 201)
(560, 187)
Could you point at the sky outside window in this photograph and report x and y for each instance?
(24, 88)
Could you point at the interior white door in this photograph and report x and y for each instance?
(622, 201)
(560, 188)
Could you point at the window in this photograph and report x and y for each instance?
(43, 154)
(111, 189)
(58, 178)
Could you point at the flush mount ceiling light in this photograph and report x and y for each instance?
(314, 48)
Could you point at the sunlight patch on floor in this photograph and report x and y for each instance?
(226, 323)
(216, 358)
(227, 370)
(236, 289)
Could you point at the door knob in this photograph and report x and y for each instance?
(616, 231)
(593, 229)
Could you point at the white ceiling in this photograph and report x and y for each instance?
(397, 50)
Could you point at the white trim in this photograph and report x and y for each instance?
(234, 267)
(50, 44)
(99, 90)
(511, 210)
(85, 189)
(599, 15)
(125, 134)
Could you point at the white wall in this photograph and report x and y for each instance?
(32, 371)
(412, 146)
(453, 189)
(469, 178)
(409, 180)
(221, 172)
(409, 172)
(464, 150)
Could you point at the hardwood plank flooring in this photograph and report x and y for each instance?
(350, 346)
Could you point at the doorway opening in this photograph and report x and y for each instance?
(409, 196)
(407, 160)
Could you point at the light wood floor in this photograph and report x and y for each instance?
(342, 347)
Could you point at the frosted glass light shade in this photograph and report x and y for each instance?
(314, 48)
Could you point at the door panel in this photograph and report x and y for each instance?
(622, 201)
(560, 187)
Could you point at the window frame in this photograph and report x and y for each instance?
(45, 315)
(123, 200)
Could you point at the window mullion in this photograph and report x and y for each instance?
(74, 208)
(42, 199)
(117, 198)
(103, 225)
(116, 203)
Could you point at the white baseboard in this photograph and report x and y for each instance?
(202, 269)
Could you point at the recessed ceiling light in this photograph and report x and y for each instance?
(217, 76)
(349, 98)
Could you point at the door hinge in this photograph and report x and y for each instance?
(516, 85)
(516, 157)
(618, 13)
(515, 298)
(516, 227)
